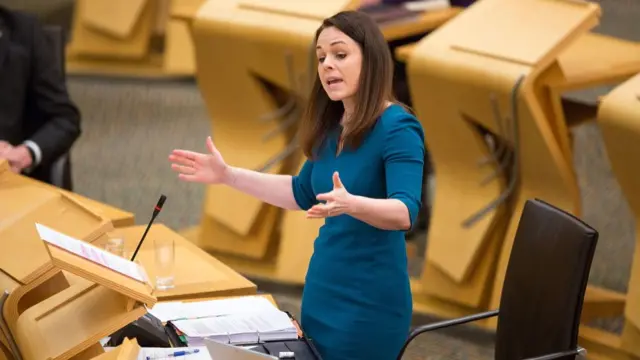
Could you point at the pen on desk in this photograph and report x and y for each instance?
(175, 354)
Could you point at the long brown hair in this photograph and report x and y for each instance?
(375, 86)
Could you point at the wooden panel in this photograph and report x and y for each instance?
(128, 350)
(14, 182)
(518, 37)
(86, 313)
(618, 118)
(114, 17)
(298, 235)
(179, 57)
(185, 9)
(98, 274)
(215, 236)
(92, 43)
(453, 90)
(315, 10)
(428, 21)
(24, 256)
(596, 59)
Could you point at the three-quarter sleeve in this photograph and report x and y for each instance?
(302, 189)
(404, 153)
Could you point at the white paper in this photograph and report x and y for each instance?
(264, 322)
(201, 309)
(427, 5)
(104, 341)
(167, 311)
(91, 253)
(163, 353)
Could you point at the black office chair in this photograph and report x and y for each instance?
(60, 175)
(543, 289)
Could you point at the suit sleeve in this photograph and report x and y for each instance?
(404, 153)
(48, 93)
(302, 189)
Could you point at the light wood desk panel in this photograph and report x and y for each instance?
(118, 217)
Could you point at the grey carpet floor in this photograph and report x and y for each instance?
(130, 126)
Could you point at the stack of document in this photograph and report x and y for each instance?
(239, 329)
(243, 320)
(176, 310)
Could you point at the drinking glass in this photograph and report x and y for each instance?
(115, 246)
(165, 254)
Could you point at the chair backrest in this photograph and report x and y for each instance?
(545, 283)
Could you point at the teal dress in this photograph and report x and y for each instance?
(357, 301)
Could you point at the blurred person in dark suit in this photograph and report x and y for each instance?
(38, 121)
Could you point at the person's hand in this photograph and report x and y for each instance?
(337, 201)
(4, 147)
(19, 157)
(198, 167)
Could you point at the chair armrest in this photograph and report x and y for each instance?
(579, 351)
(445, 324)
(60, 172)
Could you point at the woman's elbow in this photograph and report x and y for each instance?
(403, 220)
(403, 223)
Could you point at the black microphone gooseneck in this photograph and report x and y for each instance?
(156, 211)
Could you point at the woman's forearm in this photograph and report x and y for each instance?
(272, 189)
(386, 214)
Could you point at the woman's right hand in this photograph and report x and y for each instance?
(202, 168)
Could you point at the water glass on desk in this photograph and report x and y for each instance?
(164, 254)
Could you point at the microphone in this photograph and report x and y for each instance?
(156, 211)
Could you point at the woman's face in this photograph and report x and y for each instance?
(339, 64)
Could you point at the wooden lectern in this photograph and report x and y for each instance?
(69, 324)
(25, 267)
(26, 270)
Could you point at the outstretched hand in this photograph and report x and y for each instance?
(337, 201)
(197, 167)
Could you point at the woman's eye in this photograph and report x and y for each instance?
(341, 56)
(321, 59)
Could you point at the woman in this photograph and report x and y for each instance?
(363, 176)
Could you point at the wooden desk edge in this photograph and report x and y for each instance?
(430, 20)
(118, 217)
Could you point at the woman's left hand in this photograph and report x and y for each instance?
(338, 201)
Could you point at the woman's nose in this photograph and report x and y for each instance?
(327, 63)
